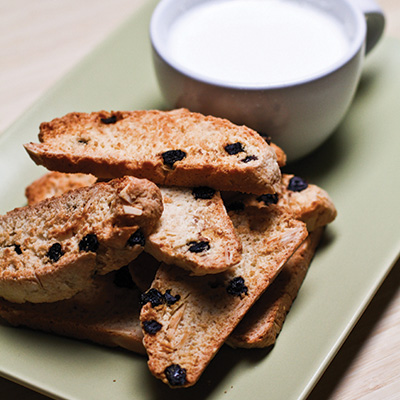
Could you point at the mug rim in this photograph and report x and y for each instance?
(157, 19)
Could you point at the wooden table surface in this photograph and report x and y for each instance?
(41, 40)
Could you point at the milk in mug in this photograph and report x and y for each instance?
(253, 42)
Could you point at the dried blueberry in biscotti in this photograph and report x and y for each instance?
(234, 148)
(89, 243)
(137, 238)
(170, 157)
(55, 252)
(268, 199)
(110, 120)
(151, 327)
(203, 193)
(176, 375)
(249, 158)
(155, 298)
(199, 247)
(17, 249)
(152, 296)
(297, 184)
(237, 287)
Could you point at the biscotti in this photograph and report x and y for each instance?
(105, 312)
(195, 232)
(263, 322)
(55, 184)
(183, 332)
(49, 251)
(170, 148)
(307, 203)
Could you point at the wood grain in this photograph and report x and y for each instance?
(41, 40)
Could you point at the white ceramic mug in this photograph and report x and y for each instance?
(298, 112)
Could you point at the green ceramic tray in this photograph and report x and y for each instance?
(359, 166)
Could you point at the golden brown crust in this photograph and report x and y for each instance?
(40, 245)
(136, 142)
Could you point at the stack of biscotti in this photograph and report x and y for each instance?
(221, 264)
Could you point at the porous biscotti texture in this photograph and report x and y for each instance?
(195, 232)
(263, 322)
(105, 312)
(50, 250)
(187, 334)
(171, 148)
(55, 184)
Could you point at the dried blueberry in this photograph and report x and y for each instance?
(237, 287)
(89, 243)
(55, 252)
(235, 206)
(203, 192)
(170, 299)
(234, 148)
(153, 296)
(199, 247)
(137, 238)
(268, 199)
(170, 157)
(249, 158)
(17, 249)
(110, 120)
(176, 375)
(297, 184)
(123, 279)
(151, 326)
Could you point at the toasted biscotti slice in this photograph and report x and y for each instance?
(263, 323)
(55, 184)
(171, 148)
(307, 202)
(106, 312)
(183, 332)
(195, 232)
(50, 250)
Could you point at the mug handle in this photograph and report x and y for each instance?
(375, 21)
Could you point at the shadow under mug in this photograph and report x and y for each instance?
(299, 116)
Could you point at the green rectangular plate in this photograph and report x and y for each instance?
(358, 166)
